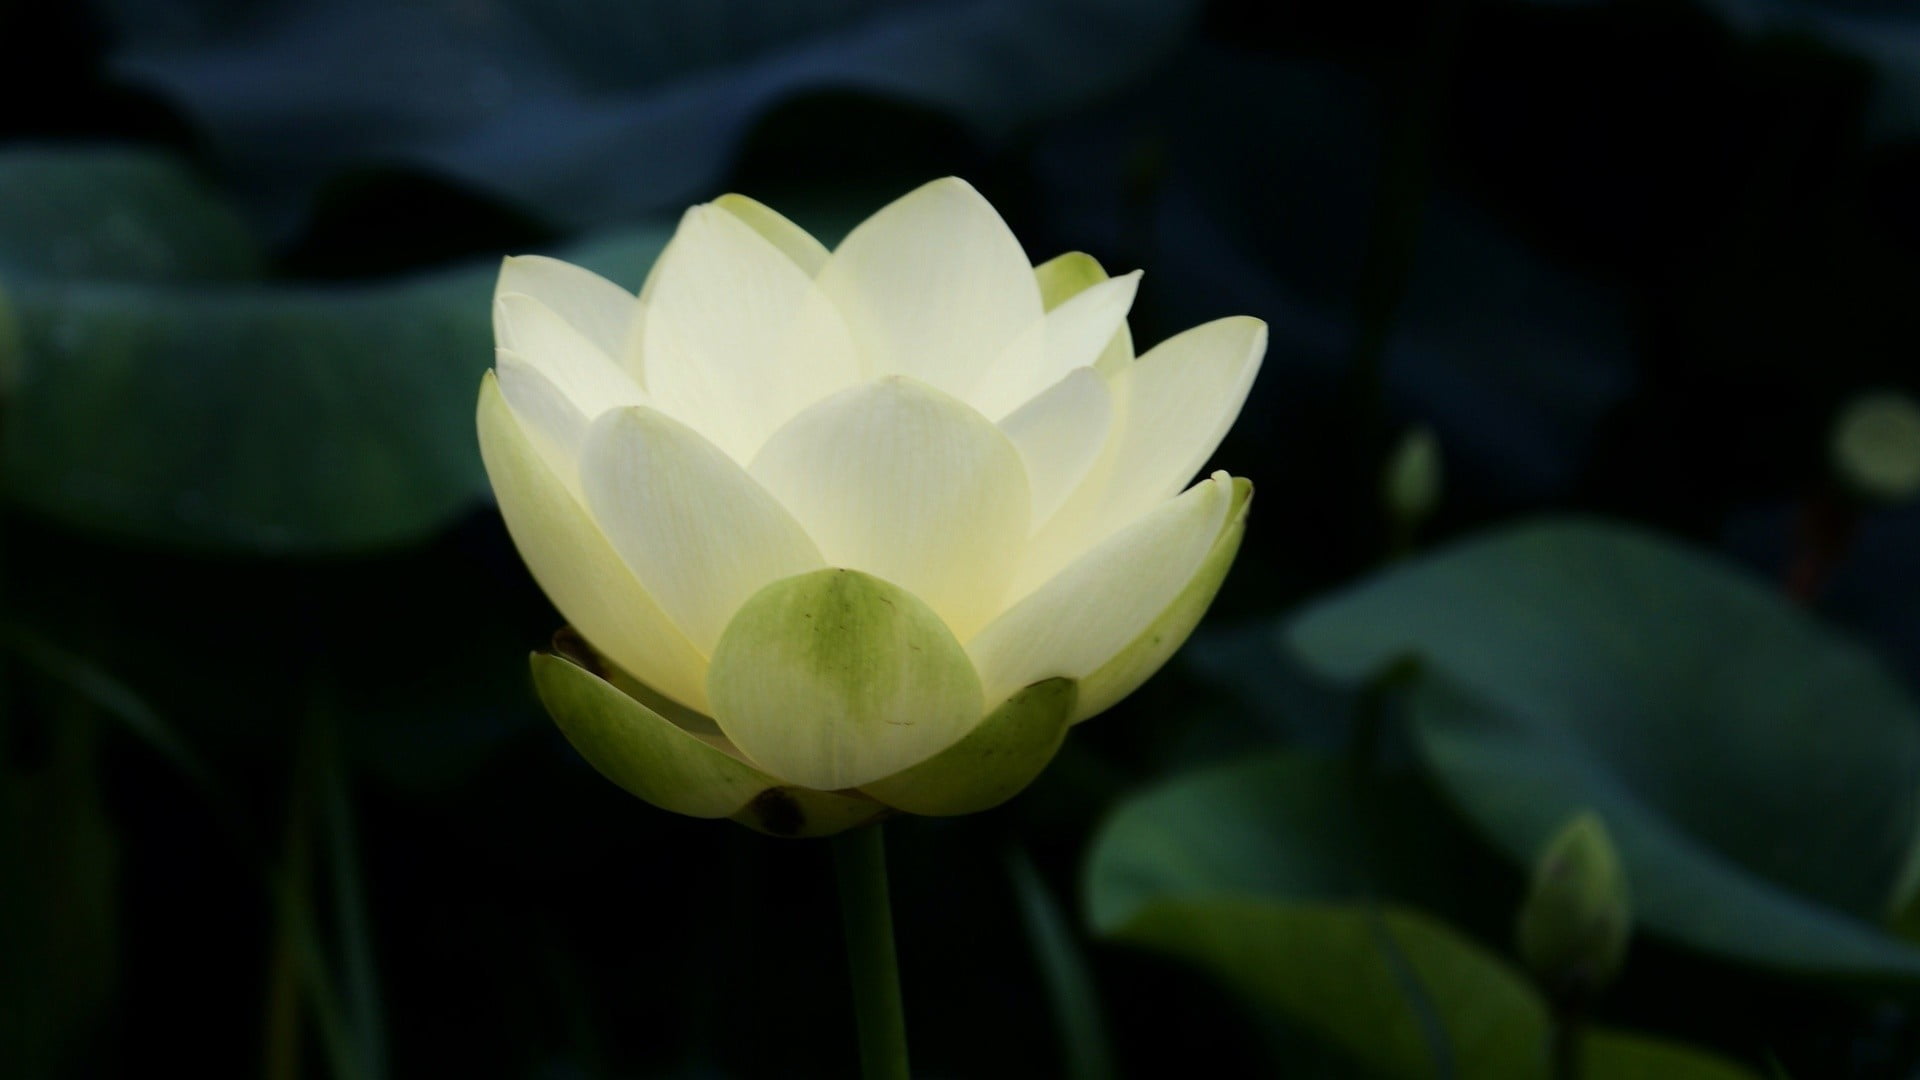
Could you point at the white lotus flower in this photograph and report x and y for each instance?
(856, 530)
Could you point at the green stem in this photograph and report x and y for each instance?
(1564, 1055)
(860, 864)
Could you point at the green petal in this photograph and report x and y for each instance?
(1065, 276)
(835, 678)
(1136, 663)
(995, 762)
(640, 750)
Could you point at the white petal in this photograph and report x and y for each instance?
(934, 286)
(806, 252)
(1137, 662)
(1185, 394)
(1072, 335)
(555, 425)
(576, 567)
(694, 527)
(1100, 603)
(1059, 435)
(1173, 406)
(568, 358)
(738, 338)
(602, 311)
(899, 480)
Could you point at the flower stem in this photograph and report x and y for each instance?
(860, 864)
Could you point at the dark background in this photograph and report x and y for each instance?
(272, 768)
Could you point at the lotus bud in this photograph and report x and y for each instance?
(1576, 919)
(1876, 447)
(1410, 485)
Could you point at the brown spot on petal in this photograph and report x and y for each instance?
(778, 812)
(568, 643)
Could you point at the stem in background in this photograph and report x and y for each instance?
(1823, 530)
(860, 865)
(294, 878)
(1565, 1061)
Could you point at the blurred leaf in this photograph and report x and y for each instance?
(1285, 824)
(1760, 771)
(126, 214)
(1326, 968)
(100, 689)
(1258, 873)
(1329, 969)
(568, 107)
(268, 418)
(1086, 1049)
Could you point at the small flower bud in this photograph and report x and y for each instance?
(1576, 919)
(1876, 447)
(1410, 486)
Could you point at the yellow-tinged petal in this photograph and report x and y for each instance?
(899, 480)
(695, 529)
(737, 337)
(800, 246)
(1136, 663)
(568, 358)
(995, 762)
(1070, 336)
(601, 311)
(1065, 276)
(836, 678)
(556, 425)
(640, 750)
(1083, 617)
(576, 566)
(1060, 435)
(934, 286)
(1185, 394)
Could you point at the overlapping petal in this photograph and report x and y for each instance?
(569, 359)
(737, 337)
(1070, 336)
(601, 311)
(693, 526)
(1060, 435)
(797, 243)
(899, 480)
(933, 286)
(1085, 615)
(575, 565)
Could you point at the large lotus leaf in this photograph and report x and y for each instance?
(1284, 824)
(1285, 880)
(1759, 770)
(165, 394)
(116, 212)
(600, 110)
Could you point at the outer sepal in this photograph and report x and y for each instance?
(1137, 662)
(995, 762)
(833, 679)
(642, 751)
